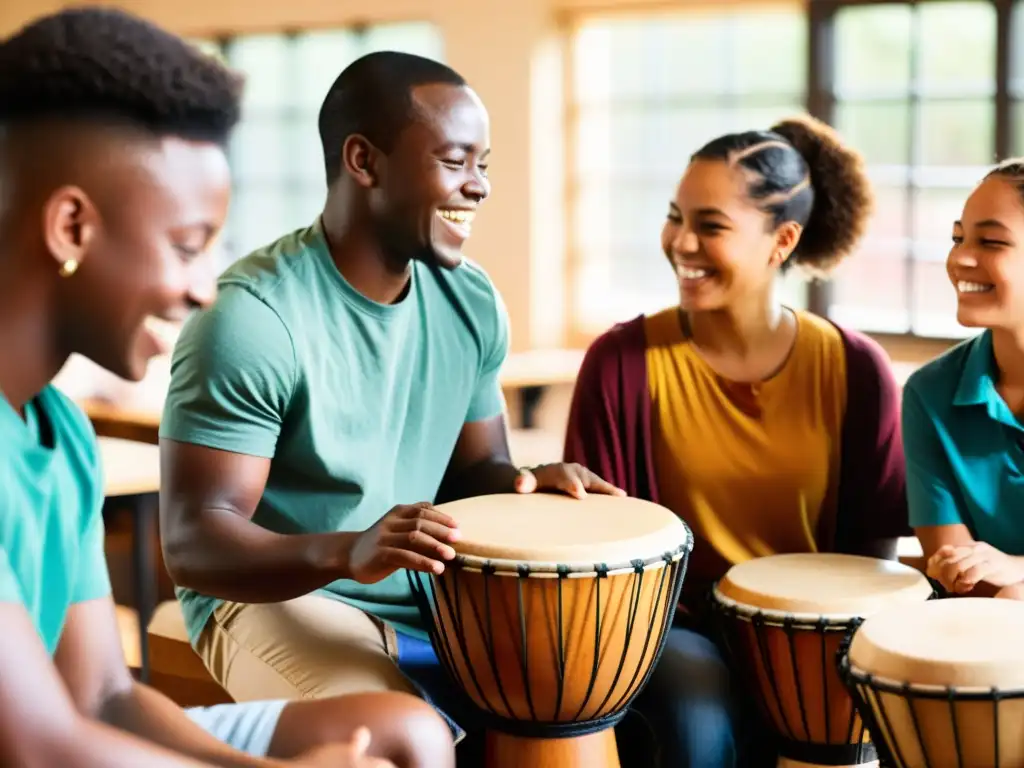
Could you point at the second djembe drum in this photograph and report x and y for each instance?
(552, 617)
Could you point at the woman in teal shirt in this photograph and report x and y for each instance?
(962, 428)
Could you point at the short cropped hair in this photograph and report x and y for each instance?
(372, 97)
(105, 64)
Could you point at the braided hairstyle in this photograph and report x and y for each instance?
(801, 171)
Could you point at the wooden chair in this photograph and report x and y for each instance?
(174, 668)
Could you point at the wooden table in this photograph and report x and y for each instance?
(129, 424)
(131, 474)
(531, 373)
(528, 373)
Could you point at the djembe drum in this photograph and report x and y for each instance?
(941, 685)
(783, 619)
(552, 616)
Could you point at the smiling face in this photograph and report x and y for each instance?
(986, 262)
(436, 176)
(721, 246)
(141, 236)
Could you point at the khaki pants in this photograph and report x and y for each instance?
(308, 648)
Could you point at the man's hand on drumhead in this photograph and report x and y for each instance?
(412, 536)
(961, 569)
(573, 479)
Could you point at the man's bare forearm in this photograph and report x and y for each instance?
(221, 554)
(487, 477)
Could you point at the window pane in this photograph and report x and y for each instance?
(644, 270)
(970, 27)
(268, 73)
(655, 142)
(320, 57)
(957, 132)
(889, 220)
(869, 289)
(880, 131)
(675, 55)
(261, 149)
(592, 220)
(1017, 51)
(419, 37)
(934, 301)
(935, 210)
(771, 51)
(873, 49)
(261, 214)
(591, 63)
(703, 53)
(307, 155)
(592, 146)
(1018, 127)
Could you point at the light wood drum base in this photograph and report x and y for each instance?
(596, 750)
(785, 762)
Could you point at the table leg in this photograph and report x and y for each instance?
(144, 512)
(529, 401)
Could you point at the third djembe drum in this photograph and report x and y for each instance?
(941, 685)
(783, 619)
(552, 617)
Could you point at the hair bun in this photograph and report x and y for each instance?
(843, 199)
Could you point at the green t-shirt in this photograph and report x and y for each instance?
(357, 404)
(51, 512)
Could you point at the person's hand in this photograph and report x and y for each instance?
(412, 536)
(1012, 592)
(350, 754)
(573, 479)
(961, 569)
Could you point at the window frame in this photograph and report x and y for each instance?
(820, 103)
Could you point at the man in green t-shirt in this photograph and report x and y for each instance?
(344, 381)
(113, 182)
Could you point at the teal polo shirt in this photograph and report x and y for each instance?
(963, 446)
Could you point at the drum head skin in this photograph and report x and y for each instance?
(831, 585)
(962, 642)
(556, 528)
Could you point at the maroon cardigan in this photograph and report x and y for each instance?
(609, 432)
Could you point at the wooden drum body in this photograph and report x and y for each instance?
(783, 620)
(552, 617)
(941, 685)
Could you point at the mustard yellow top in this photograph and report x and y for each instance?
(750, 467)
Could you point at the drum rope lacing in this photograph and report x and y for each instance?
(867, 689)
(852, 749)
(672, 566)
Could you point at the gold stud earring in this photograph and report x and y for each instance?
(68, 268)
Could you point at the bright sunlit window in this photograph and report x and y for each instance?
(923, 113)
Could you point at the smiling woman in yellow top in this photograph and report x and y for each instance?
(767, 429)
